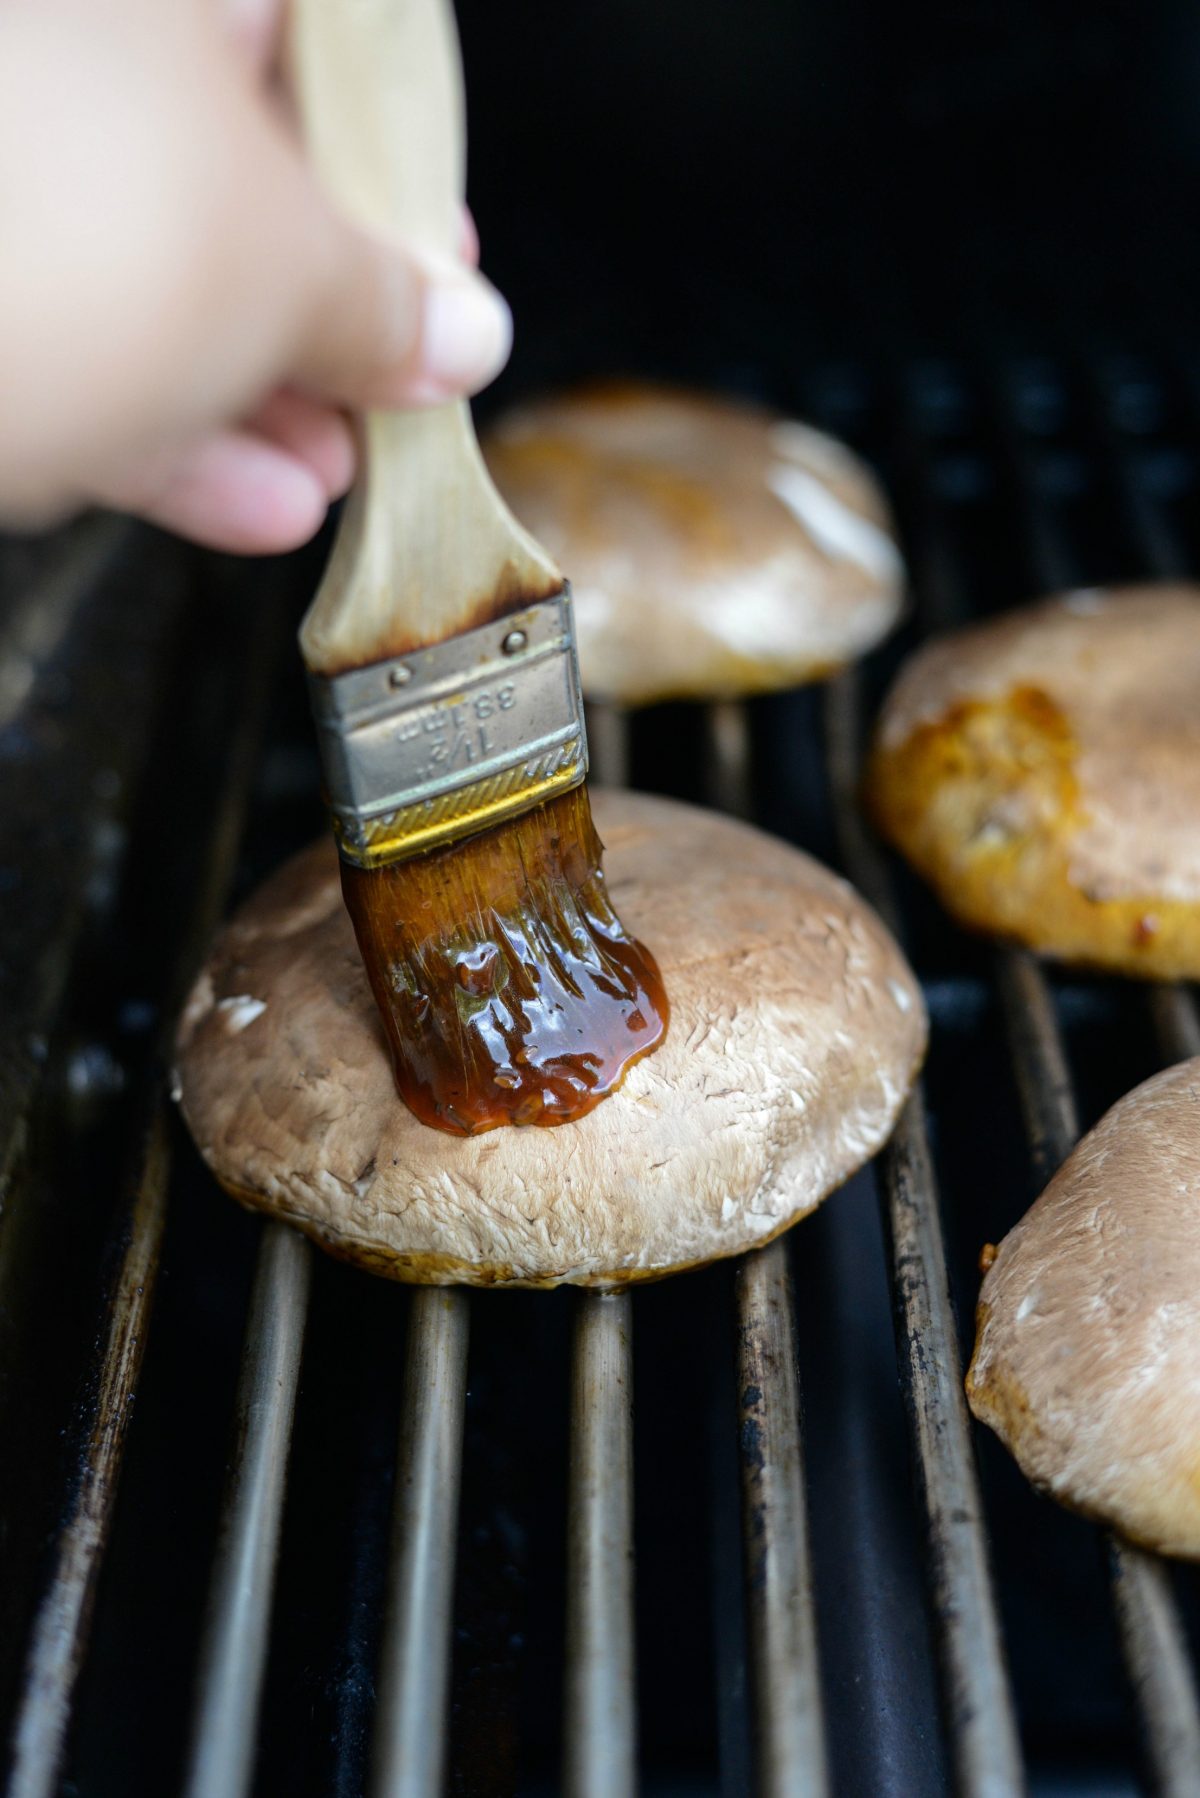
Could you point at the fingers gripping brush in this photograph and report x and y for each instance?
(441, 655)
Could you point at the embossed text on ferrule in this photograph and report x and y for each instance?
(479, 726)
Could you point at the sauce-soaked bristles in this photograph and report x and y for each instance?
(510, 991)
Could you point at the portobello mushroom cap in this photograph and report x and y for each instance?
(1042, 771)
(715, 550)
(796, 1030)
(1086, 1362)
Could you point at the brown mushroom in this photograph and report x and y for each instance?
(796, 1030)
(1086, 1362)
(715, 550)
(1042, 771)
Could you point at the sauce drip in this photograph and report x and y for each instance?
(509, 989)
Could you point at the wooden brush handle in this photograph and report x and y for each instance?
(426, 547)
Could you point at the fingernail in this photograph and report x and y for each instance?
(466, 335)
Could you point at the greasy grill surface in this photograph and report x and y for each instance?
(283, 1594)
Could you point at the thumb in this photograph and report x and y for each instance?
(398, 325)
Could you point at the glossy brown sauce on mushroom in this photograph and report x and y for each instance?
(509, 989)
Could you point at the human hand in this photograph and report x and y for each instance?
(183, 313)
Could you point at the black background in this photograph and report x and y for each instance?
(667, 182)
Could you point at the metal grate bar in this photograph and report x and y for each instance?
(781, 1619)
(41, 928)
(608, 744)
(976, 1692)
(1151, 1631)
(1163, 554)
(600, 1721)
(1157, 1657)
(1039, 1062)
(410, 1732)
(984, 1741)
(729, 775)
(781, 1625)
(1152, 1636)
(233, 1656)
(59, 1635)
(1176, 1022)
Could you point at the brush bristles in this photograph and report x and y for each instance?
(509, 989)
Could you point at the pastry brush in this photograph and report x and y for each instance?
(441, 656)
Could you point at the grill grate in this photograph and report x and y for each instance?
(1152, 1635)
(1012, 477)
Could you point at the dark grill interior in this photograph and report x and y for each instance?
(962, 239)
(1009, 474)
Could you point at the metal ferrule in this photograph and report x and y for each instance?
(427, 748)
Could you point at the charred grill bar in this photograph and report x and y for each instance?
(975, 1691)
(601, 1727)
(410, 1733)
(1152, 1632)
(781, 1614)
(1052, 447)
(233, 1657)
